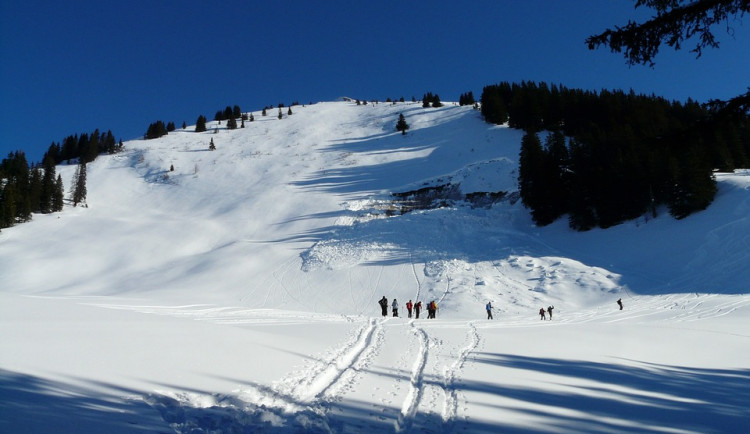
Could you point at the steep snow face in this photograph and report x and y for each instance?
(293, 213)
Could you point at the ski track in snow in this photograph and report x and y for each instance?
(328, 378)
(450, 406)
(416, 390)
(416, 277)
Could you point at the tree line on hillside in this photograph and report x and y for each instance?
(229, 114)
(431, 100)
(26, 190)
(158, 129)
(466, 99)
(37, 188)
(611, 156)
(84, 147)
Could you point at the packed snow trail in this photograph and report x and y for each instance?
(450, 407)
(414, 397)
(351, 357)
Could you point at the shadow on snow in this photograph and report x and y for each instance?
(585, 397)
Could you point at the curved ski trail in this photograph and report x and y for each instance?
(416, 389)
(450, 404)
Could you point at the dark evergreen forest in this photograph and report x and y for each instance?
(36, 188)
(610, 156)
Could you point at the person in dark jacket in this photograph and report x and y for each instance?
(384, 305)
(489, 310)
(619, 303)
(542, 313)
(417, 308)
(549, 311)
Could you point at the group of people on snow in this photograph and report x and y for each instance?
(410, 307)
(542, 312)
(432, 308)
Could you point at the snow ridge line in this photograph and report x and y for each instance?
(450, 406)
(339, 363)
(414, 397)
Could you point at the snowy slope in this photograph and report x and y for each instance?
(239, 292)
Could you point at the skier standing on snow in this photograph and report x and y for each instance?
(394, 305)
(409, 305)
(619, 303)
(542, 313)
(489, 310)
(549, 311)
(384, 305)
(417, 308)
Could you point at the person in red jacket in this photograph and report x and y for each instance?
(409, 305)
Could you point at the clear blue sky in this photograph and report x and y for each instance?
(72, 67)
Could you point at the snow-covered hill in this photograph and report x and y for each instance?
(239, 291)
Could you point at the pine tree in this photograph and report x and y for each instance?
(34, 193)
(8, 205)
(401, 125)
(91, 149)
(530, 175)
(582, 213)
(79, 189)
(466, 99)
(48, 187)
(554, 200)
(674, 23)
(200, 124)
(430, 99)
(58, 195)
(436, 101)
(17, 186)
(232, 123)
(155, 130)
(110, 144)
